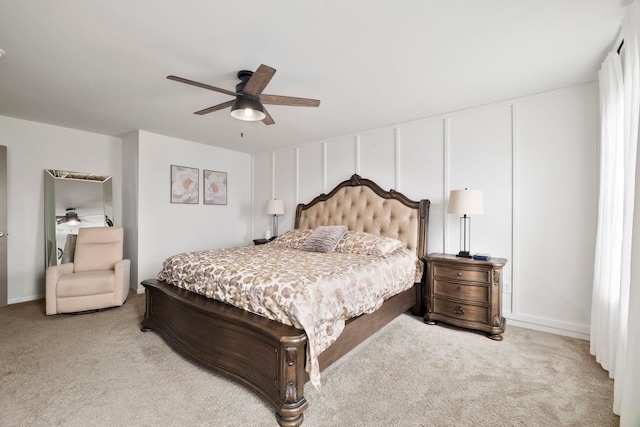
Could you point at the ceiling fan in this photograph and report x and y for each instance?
(249, 99)
(71, 218)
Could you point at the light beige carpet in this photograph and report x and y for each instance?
(99, 370)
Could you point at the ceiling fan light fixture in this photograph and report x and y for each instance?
(70, 217)
(247, 109)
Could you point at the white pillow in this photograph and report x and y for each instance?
(359, 242)
(292, 238)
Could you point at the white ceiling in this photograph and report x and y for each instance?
(101, 66)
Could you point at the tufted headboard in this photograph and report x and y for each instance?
(362, 205)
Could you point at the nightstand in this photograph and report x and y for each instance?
(466, 293)
(262, 241)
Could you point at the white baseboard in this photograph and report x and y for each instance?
(138, 290)
(24, 299)
(523, 321)
(544, 325)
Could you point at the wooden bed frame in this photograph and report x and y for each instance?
(268, 356)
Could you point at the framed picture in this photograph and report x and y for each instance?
(184, 185)
(215, 187)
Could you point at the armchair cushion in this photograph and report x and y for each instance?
(98, 248)
(86, 283)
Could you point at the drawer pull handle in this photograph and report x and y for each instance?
(458, 310)
(459, 273)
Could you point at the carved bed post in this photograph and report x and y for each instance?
(292, 377)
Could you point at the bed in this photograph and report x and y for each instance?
(270, 356)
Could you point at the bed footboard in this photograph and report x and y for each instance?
(267, 356)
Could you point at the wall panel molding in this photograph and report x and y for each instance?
(512, 291)
(445, 183)
(501, 148)
(273, 175)
(324, 167)
(253, 196)
(297, 174)
(357, 148)
(396, 138)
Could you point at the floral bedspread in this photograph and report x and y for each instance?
(313, 291)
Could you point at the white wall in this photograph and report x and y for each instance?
(534, 158)
(130, 217)
(31, 148)
(556, 205)
(164, 228)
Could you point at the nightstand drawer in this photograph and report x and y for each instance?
(481, 276)
(461, 291)
(460, 310)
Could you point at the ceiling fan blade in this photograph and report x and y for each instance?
(268, 120)
(289, 100)
(259, 80)
(202, 85)
(215, 108)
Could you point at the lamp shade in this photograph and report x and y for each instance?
(247, 109)
(466, 202)
(275, 207)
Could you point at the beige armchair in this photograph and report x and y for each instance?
(97, 278)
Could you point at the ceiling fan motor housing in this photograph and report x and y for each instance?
(244, 76)
(246, 107)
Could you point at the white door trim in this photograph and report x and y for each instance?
(3, 226)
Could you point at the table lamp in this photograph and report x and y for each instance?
(465, 202)
(275, 207)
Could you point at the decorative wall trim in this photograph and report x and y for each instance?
(511, 118)
(443, 116)
(445, 183)
(273, 175)
(252, 191)
(357, 147)
(396, 137)
(324, 167)
(297, 172)
(514, 210)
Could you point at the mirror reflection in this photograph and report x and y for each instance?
(73, 200)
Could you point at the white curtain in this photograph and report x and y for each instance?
(605, 308)
(615, 326)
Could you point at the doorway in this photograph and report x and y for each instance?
(3, 226)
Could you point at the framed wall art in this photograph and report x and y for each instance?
(215, 187)
(184, 185)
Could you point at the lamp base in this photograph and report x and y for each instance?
(464, 254)
(275, 226)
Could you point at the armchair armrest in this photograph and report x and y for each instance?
(122, 273)
(54, 273)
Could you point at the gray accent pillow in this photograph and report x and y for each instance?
(324, 238)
